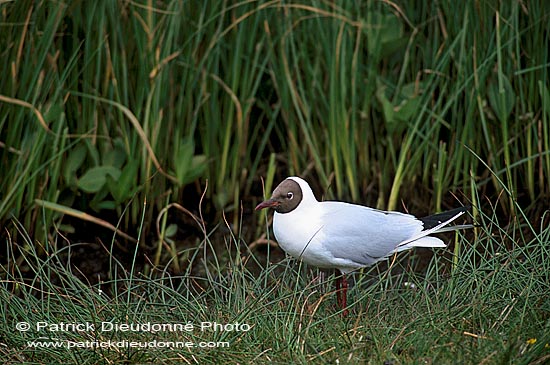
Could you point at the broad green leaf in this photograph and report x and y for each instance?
(105, 204)
(92, 152)
(501, 106)
(54, 112)
(115, 157)
(385, 35)
(397, 116)
(187, 166)
(74, 160)
(198, 167)
(94, 179)
(387, 108)
(407, 109)
(97, 202)
(171, 230)
(126, 185)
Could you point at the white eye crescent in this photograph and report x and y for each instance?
(290, 195)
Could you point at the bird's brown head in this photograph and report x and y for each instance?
(285, 197)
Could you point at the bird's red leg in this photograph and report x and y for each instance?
(342, 293)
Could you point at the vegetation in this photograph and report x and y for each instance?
(491, 306)
(138, 136)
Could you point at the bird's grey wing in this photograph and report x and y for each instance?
(364, 235)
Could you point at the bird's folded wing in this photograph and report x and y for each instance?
(362, 234)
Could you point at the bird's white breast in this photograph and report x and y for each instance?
(300, 234)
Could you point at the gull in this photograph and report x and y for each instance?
(347, 237)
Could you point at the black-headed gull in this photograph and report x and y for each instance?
(347, 237)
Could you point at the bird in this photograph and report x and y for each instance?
(344, 236)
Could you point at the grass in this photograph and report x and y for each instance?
(491, 307)
(106, 105)
(160, 121)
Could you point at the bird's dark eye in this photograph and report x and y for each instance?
(290, 195)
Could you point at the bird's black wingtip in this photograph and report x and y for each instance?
(438, 218)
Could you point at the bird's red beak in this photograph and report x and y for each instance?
(270, 203)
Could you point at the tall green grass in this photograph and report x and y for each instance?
(105, 104)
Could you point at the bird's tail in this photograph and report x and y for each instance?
(434, 220)
(435, 224)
